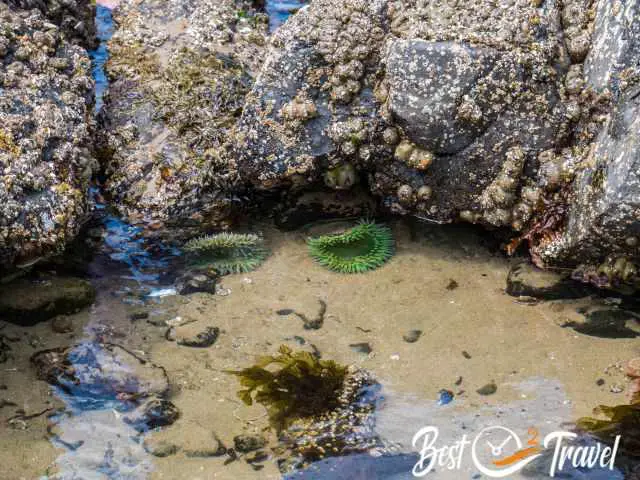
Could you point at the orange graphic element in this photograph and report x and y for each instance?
(519, 455)
(524, 453)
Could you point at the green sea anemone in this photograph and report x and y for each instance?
(364, 247)
(227, 252)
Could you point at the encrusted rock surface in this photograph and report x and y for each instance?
(507, 113)
(430, 102)
(179, 72)
(74, 17)
(45, 136)
(602, 224)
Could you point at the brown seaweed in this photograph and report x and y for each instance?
(298, 385)
(623, 420)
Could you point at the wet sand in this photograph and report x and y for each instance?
(539, 368)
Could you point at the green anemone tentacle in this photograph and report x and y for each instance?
(227, 252)
(365, 247)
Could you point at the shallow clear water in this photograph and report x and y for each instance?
(444, 282)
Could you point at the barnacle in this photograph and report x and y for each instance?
(364, 247)
(227, 252)
(303, 386)
(342, 177)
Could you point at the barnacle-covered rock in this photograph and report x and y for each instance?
(176, 91)
(75, 18)
(416, 94)
(603, 204)
(45, 136)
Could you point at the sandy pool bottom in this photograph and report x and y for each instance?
(545, 375)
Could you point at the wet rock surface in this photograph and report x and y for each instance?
(512, 119)
(177, 87)
(45, 134)
(100, 372)
(29, 301)
(312, 206)
(526, 280)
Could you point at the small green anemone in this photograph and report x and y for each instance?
(364, 247)
(227, 252)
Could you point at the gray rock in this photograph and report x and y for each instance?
(429, 82)
(27, 302)
(195, 282)
(179, 71)
(248, 443)
(101, 372)
(395, 92)
(314, 206)
(603, 217)
(74, 17)
(45, 132)
(62, 324)
(616, 43)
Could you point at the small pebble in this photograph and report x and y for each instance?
(600, 382)
(135, 316)
(616, 388)
(412, 336)
(223, 292)
(170, 334)
(445, 397)
(452, 285)
(466, 355)
(488, 389)
(62, 324)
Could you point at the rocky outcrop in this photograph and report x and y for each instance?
(603, 217)
(75, 18)
(510, 117)
(438, 106)
(179, 71)
(45, 130)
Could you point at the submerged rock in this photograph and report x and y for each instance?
(527, 280)
(359, 466)
(308, 207)
(100, 372)
(27, 302)
(45, 132)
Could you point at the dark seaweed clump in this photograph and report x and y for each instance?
(623, 420)
(298, 385)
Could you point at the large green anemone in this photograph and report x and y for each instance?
(362, 248)
(227, 252)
